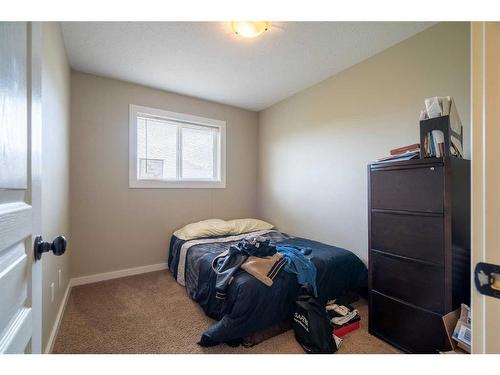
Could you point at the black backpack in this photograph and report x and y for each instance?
(311, 325)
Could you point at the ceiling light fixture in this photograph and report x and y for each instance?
(250, 29)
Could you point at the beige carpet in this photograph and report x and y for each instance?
(151, 313)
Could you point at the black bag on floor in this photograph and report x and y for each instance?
(312, 326)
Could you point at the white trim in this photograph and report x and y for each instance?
(117, 274)
(483, 192)
(134, 182)
(57, 322)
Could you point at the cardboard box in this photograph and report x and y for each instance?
(462, 333)
(454, 322)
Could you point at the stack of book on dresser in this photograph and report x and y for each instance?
(402, 153)
(344, 318)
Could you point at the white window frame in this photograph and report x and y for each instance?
(134, 182)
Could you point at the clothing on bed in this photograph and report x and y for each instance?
(177, 261)
(225, 266)
(264, 269)
(229, 262)
(257, 246)
(300, 265)
(251, 306)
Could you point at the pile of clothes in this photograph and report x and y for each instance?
(344, 318)
(264, 261)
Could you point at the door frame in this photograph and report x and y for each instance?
(485, 94)
(34, 194)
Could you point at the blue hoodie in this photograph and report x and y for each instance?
(300, 264)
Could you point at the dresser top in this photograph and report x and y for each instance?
(412, 162)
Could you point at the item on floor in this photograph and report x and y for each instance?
(250, 305)
(311, 325)
(344, 318)
(462, 333)
(338, 310)
(341, 320)
(346, 328)
(300, 264)
(457, 325)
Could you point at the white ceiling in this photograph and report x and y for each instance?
(206, 60)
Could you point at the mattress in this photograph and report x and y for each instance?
(251, 306)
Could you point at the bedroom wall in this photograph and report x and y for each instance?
(114, 227)
(314, 147)
(55, 170)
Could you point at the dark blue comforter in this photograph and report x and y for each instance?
(250, 305)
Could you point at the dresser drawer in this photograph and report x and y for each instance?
(413, 189)
(420, 237)
(416, 283)
(411, 329)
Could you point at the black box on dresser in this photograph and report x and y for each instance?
(419, 249)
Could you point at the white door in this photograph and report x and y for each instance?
(20, 146)
(485, 37)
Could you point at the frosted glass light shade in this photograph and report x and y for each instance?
(250, 29)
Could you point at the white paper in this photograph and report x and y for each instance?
(433, 107)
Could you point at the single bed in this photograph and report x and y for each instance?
(251, 306)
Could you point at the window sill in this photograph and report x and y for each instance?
(152, 184)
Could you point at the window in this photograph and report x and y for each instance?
(175, 150)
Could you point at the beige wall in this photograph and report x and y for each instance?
(55, 168)
(314, 146)
(114, 227)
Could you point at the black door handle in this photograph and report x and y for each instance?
(58, 246)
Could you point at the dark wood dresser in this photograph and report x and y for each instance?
(419, 249)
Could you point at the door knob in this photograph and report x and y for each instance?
(58, 246)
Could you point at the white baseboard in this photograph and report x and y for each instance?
(57, 322)
(94, 279)
(117, 274)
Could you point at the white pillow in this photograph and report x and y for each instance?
(205, 228)
(239, 226)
